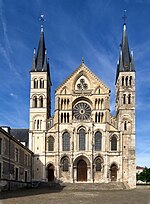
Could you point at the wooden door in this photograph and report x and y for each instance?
(113, 172)
(81, 171)
(50, 173)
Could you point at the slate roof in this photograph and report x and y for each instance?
(40, 62)
(21, 134)
(126, 60)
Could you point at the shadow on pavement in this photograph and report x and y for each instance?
(32, 191)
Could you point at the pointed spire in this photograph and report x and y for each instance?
(41, 52)
(125, 49)
(126, 61)
(40, 58)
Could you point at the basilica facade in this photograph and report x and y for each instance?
(83, 141)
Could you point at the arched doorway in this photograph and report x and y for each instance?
(113, 170)
(81, 170)
(50, 171)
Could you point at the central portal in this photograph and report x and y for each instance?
(82, 170)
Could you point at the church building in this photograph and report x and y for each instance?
(83, 141)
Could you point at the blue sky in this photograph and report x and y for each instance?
(89, 28)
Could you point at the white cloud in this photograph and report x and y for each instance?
(13, 95)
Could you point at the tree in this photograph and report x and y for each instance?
(145, 175)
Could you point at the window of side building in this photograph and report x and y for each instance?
(16, 155)
(26, 160)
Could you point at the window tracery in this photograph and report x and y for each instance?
(82, 85)
(50, 143)
(98, 141)
(113, 143)
(66, 141)
(81, 139)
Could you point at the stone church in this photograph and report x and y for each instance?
(83, 141)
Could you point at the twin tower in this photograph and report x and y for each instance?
(83, 141)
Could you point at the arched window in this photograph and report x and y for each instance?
(125, 125)
(114, 143)
(99, 116)
(82, 139)
(98, 141)
(124, 99)
(41, 83)
(67, 103)
(61, 104)
(61, 117)
(35, 102)
(129, 99)
(126, 80)
(67, 117)
(41, 101)
(98, 166)
(64, 103)
(38, 124)
(99, 91)
(130, 81)
(35, 83)
(65, 141)
(65, 164)
(96, 117)
(99, 102)
(50, 143)
(123, 81)
(102, 103)
(102, 117)
(95, 103)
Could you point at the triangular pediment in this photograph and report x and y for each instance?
(83, 79)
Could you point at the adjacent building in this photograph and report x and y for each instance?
(15, 161)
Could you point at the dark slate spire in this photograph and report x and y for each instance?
(40, 59)
(125, 50)
(40, 53)
(126, 61)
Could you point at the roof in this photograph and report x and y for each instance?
(40, 62)
(82, 67)
(5, 131)
(21, 134)
(126, 60)
(139, 167)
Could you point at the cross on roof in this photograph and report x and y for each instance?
(42, 19)
(124, 16)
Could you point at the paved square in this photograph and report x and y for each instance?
(44, 196)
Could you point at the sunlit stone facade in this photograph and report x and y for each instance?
(83, 141)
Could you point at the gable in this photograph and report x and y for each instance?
(82, 79)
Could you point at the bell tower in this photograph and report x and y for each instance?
(40, 104)
(125, 109)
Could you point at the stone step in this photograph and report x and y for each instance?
(83, 186)
(94, 186)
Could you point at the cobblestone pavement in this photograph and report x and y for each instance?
(44, 196)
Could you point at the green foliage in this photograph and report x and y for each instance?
(145, 175)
